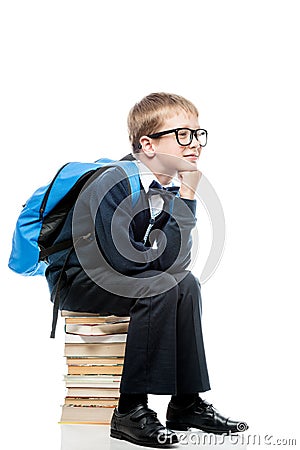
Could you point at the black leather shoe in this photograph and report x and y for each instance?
(142, 427)
(203, 416)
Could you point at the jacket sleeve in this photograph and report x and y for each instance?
(114, 229)
(177, 231)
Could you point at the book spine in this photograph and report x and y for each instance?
(95, 361)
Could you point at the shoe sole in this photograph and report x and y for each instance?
(184, 427)
(125, 437)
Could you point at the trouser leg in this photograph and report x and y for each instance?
(164, 351)
(150, 359)
(192, 374)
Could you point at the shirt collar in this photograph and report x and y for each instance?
(147, 176)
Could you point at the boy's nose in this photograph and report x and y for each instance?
(195, 143)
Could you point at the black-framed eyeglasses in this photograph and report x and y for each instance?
(184, 136)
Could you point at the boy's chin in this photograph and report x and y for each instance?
(187, 166)
(180, 164)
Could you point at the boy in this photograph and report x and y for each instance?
(139, 268)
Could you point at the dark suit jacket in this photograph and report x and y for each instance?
(115, 230)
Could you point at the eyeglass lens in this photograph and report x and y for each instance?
(185, 136)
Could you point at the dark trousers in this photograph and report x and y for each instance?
(164, 351)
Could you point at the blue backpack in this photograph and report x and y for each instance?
(44, 214)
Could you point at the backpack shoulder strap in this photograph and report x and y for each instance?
(132, 173)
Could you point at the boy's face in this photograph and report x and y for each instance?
(166, 153)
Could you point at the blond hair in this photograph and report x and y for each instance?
(148, 115)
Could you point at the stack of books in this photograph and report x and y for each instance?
(94, 351)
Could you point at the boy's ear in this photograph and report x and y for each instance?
(146, 146)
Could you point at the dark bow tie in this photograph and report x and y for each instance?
(157, 186)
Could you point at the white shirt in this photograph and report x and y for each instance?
(156, 201)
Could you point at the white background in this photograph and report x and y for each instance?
(70, 72)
